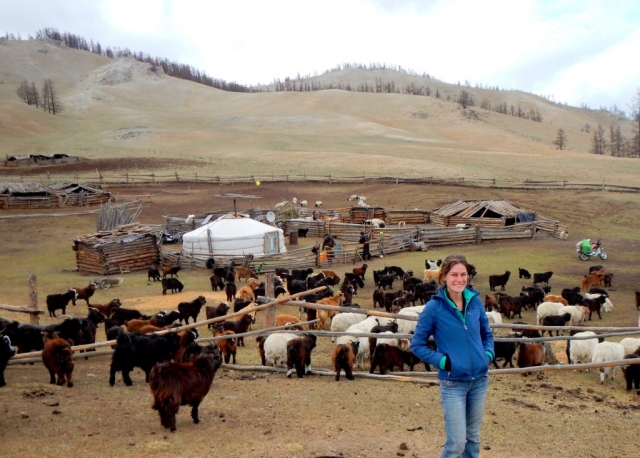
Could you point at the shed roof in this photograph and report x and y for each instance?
(28, 187)
(480, 208)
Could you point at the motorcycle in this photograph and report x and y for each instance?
(171, 238)
(596, 250)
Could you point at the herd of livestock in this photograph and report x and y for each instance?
(180, 371)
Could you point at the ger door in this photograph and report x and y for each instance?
(271, 243)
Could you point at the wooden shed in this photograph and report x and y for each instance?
(481, 212)
(125, 249)
(35, 195)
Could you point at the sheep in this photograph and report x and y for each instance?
(6, 353)
(280, 205)
(299, 355)
(342, 321)
(607, 351)
(174, 384)
(581, 351)
(630, 345)
(376, 223)
(499, 280)
(303, 203)
(547, 309)
(294, 201)
(578, 313)
(57, 357)
(273, 348)
(343, 358)
(529, 355)
(318, 203)
(227, 347)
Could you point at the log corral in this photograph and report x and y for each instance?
(35, 195)
(127, 248)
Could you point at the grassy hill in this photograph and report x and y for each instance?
(121, 108)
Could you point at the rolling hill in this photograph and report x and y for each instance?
(121, 108)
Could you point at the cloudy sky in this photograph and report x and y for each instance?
(577, 51)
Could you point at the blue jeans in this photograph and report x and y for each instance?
(463, 408)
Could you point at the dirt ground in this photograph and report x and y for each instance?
(260, 414)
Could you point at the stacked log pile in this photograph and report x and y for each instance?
(128, 248)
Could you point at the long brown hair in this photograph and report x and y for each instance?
(448, 264)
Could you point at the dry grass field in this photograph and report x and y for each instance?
(257, 414)
(121, 117)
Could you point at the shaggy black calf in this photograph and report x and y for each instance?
(572, 295)
(216, 283)
(396, 271)
(172, 284)
(28, 337)
(535, 294)
(523, 273)
(632, 373)
(499, 280)
(353, 278)
(303, 233)
(112, 330)
(60, 301)
(300, 274)
(174, 384)
(191, 309)
(89, 327)
(594, 305)
(6, 353)
(299, 355)
(143, 351)
(230, 290)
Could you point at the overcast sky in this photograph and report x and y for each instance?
(578, 51)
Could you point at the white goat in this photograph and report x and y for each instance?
(318, 203)
(630, 345)
(303, 203)
(495, 318)
(342, 321)
(581, 351)
(294, 201)
(578, 313)
(607, 351)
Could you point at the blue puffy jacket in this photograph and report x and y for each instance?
(465, 339)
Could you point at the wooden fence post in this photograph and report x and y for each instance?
(269, 291)
(33, 298)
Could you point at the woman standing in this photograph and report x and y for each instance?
(456, 319)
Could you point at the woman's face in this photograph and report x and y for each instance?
(456, 279)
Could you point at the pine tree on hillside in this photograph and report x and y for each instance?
(50, 101)
(561, 140)
(598, 142)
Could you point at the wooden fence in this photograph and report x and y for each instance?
(32, 308)
(145, 178)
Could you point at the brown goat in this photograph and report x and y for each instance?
(281, 320)
(246, 273)
(529, 355)
(325, 316)
(174, 384)
(591, 280)
(246, 292)
(227, 346)
(360, 271)
(57, 357)
(555, 298)
(84, 293)
(344, 357)
(170, 271)
(106, 309)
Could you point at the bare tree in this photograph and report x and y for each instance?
(465, 99)
(51, 102)
(634, 106)
(561, 140)
(23, 91)
(598, 142)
